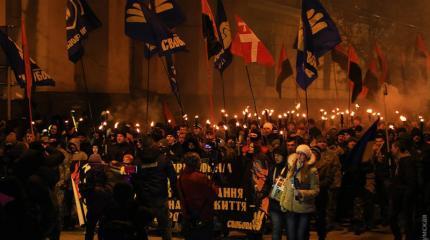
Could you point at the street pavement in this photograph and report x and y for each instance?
(376, 234)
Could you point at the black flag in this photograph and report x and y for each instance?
(15, 58)
(224, 58)
(80, 20)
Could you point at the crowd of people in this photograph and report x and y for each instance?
(126, 178)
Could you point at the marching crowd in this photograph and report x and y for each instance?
(312, 178)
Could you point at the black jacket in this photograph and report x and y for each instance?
(273, 174)
(150, 182)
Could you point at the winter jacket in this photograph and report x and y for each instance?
(329, 170)
(150, 183)
(197, 193)
(308, 191)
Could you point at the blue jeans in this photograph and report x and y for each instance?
(297, 226)
(278, 221)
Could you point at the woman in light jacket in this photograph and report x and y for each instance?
(300, 189)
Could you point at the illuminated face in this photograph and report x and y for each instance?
(53, 130)
(278, 158)
(379, 142)
(120, 138)
(170, 139)
(266, 131)
(29, 138)
(95, 149)
(322, 145)
(291, 146)
(181, 138)
(395, 150)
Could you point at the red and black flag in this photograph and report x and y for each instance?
(210, 30)
(354, 73)
(340, 56)
(383, 64)
(284, 70)
(350, 63)
(371, 83)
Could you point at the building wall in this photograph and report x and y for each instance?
(114, 64)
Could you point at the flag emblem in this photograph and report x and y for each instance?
(162, 6)
(135, 14)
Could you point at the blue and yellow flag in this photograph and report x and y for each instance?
(168, 11)
(80, 20)
(317, 35)
(145, 25)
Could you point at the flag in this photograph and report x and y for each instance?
(354, 73)
(383, 64)
(371, 83)
(224, 58)
(80, 20)
(26, 57)
(317, 35)
(144, 25)
(168, 114)
(284, 70)
(339, 55)
(363, 145)
(421, 51)
(171, 72)
(15, 58)
(168, 12)
(248, 46)
(210, 30)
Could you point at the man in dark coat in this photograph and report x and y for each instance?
(151, 187)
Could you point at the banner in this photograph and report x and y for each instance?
(15, 59)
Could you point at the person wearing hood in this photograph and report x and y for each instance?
(151, 186)
(74, 158)
(273, 189)
(300, 190)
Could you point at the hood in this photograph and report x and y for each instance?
(149, 155)
(292, 157)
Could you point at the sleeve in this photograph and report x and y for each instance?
(337, 172)
(171, 174)
(268, 183)
(314, 189)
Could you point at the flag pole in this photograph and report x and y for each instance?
(349, 88)
(335, 84)
(178, 98)
(210, 84)
(386, 116)
(252, 92)
(147, 94)
(223, 90)
(307, 110)
(84, 78)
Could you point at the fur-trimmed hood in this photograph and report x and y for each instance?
(292, 157)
